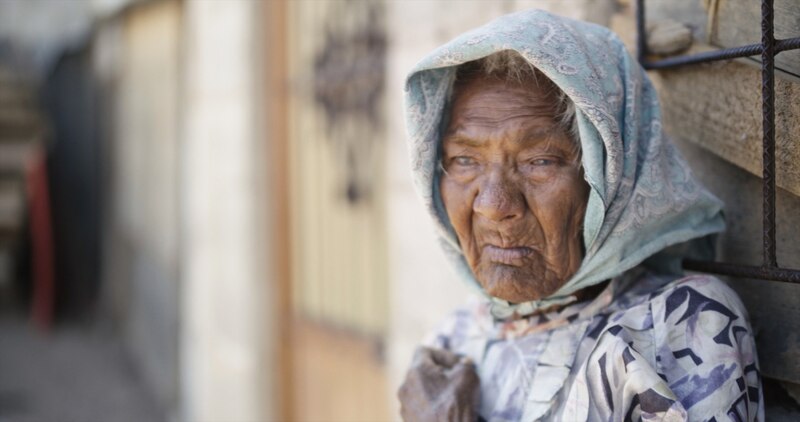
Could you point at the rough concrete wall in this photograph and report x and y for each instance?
(772, 306)
(713, 112)
(423, 289)
(224, 305)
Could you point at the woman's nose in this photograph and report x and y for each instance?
(499, 199)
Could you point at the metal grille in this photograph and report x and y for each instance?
(768, 48)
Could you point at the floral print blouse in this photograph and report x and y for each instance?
(647, 348)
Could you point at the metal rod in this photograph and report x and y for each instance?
(722, 54)
(768, 122)
(641, 33)
(787, 44)
(705, 57)
(777, 274)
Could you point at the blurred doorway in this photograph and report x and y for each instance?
(335, 66)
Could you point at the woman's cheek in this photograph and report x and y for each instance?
(458, 205)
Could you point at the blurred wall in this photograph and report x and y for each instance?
(226, 304)
(184, 257)
(138, 59)
(423, 288)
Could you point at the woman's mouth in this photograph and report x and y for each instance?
(508, 256)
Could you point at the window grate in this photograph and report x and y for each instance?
(768, 48)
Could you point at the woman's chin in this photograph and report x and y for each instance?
(514, 284)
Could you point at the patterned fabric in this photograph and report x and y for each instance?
(644, 349)
(643, 197)
(652, 345)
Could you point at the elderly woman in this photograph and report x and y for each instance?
(537, 148)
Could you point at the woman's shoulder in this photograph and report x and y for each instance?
(706, 348)
(685, 317)
(693, 337)
(697, 293)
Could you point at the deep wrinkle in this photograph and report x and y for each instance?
(513, 189)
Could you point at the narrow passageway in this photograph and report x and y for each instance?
(74, 373)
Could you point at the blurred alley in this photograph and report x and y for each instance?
(73, 374)
(206, 208)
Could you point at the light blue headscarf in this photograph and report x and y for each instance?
(643, 197)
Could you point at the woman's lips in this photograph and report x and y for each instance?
(507, 256)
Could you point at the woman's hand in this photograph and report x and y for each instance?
(440, 386)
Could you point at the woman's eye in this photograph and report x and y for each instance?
(463, 161)
(543, 162)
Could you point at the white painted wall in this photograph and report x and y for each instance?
(223, 221)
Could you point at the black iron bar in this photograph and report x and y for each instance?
(722, 54)
(787, 44)
(641, 33)
(705, 57)
(776, 274)
(768, 112)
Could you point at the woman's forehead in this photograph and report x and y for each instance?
(519, 130)
(492, 99)
(487, 108)
(477, 91)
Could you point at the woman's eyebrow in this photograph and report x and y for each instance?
(462, 140)
(530, 136)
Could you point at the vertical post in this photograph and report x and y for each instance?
(276, 114)
(768, 111)
(641, 33)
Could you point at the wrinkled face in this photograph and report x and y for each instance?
(513, 189)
